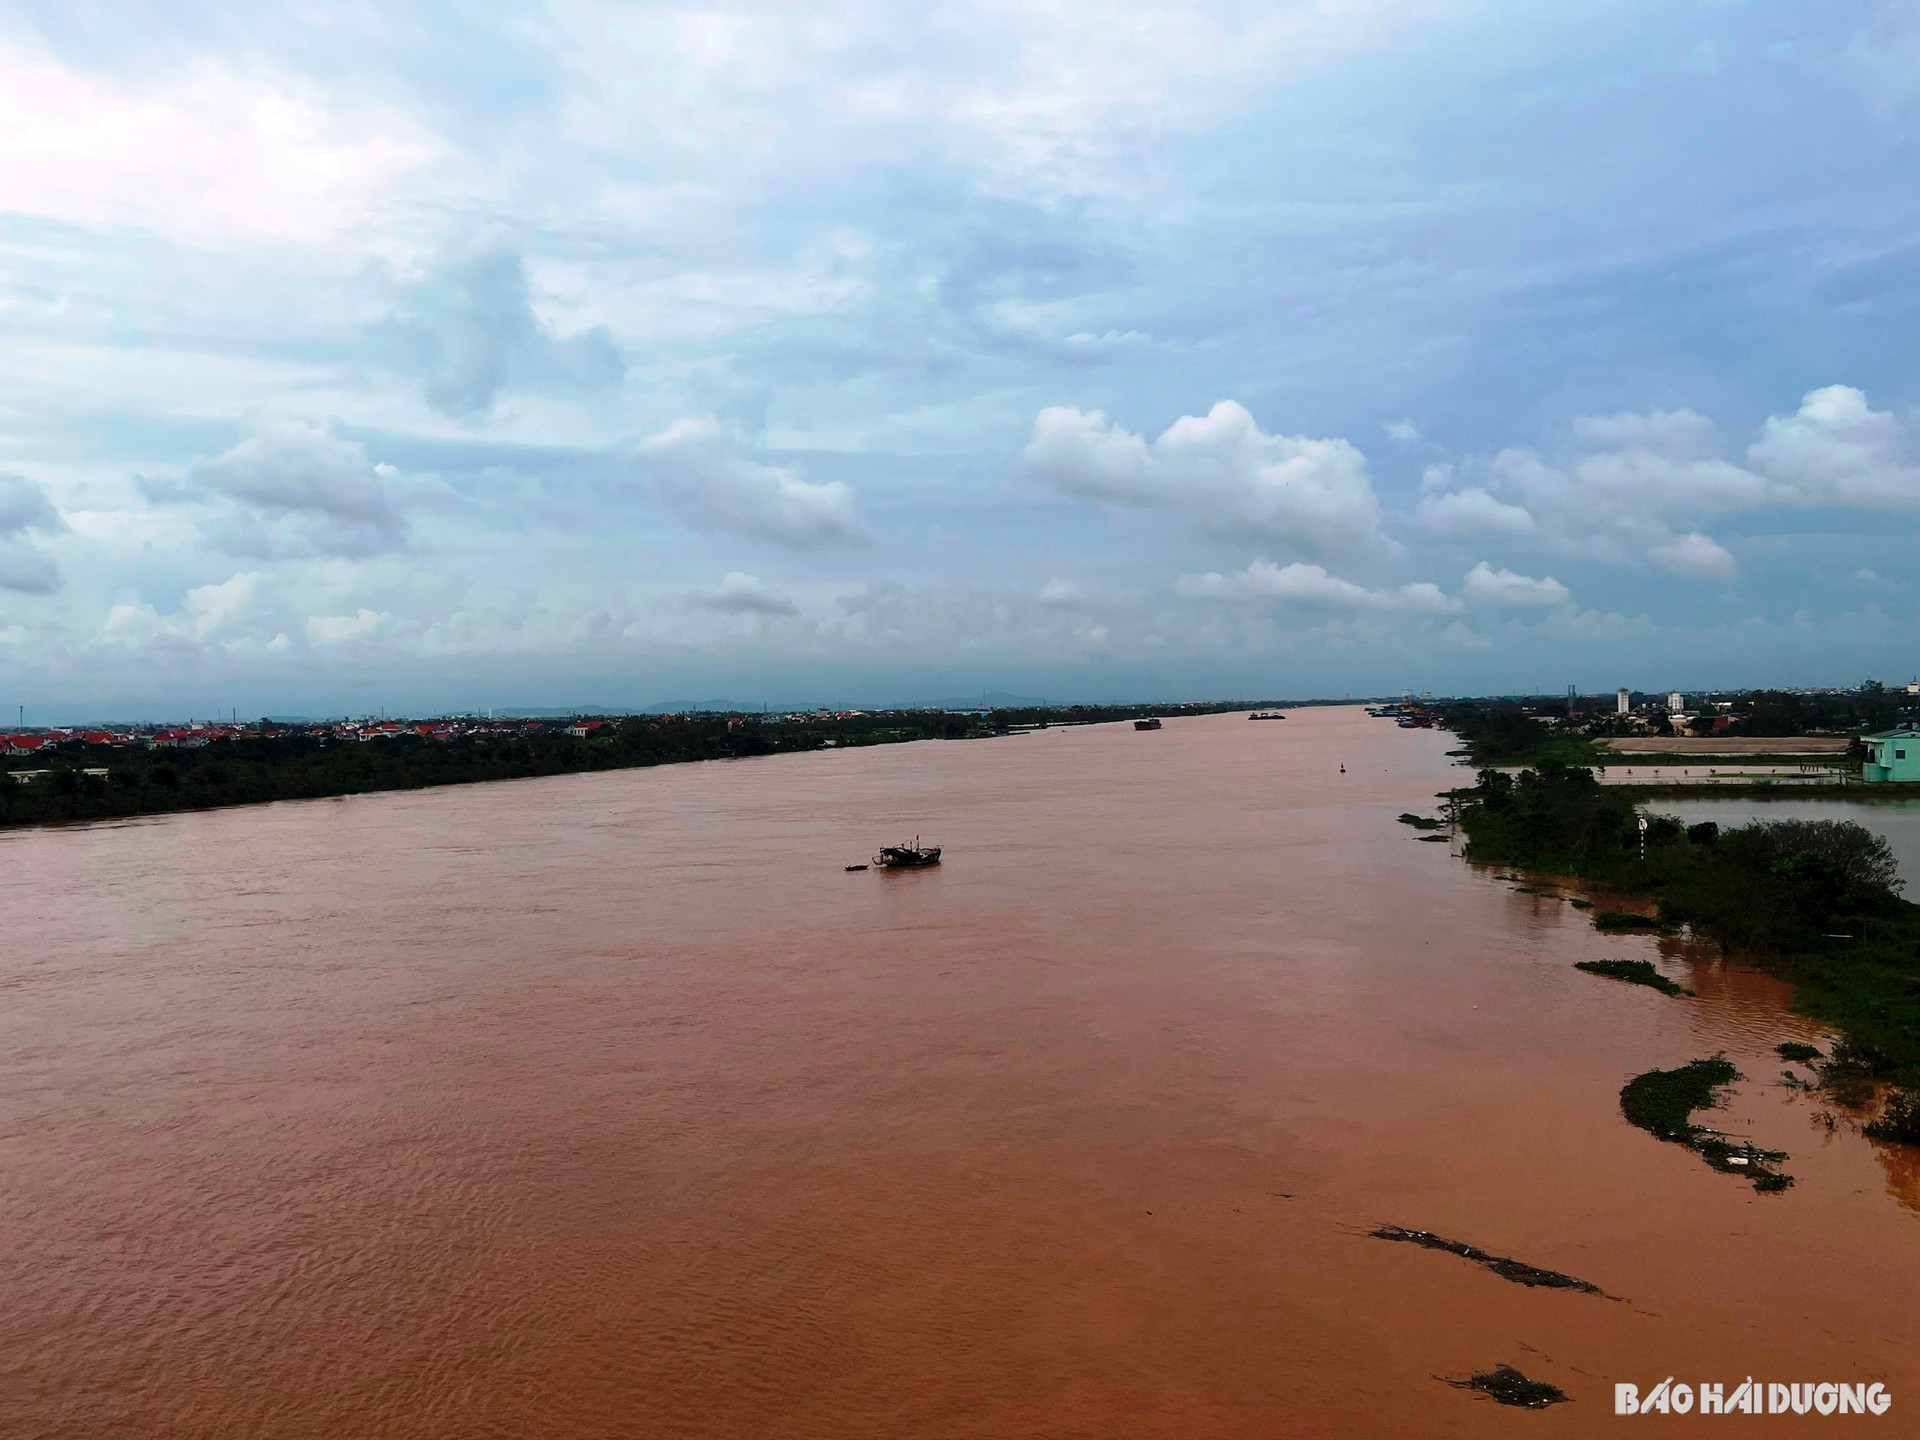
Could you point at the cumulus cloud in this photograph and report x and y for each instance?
(1061, 592)
(1312, 585)
(1470, 512)
(1835, 450)
(1698, 556)
(344, 629)
(741, 594)
(1314, 496)
(25, 510)
(1637, 487)
(301, 488)
(469, 328)
(697, 470)
(234, 615)
(1485, 585)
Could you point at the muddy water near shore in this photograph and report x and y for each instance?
(612, 1106)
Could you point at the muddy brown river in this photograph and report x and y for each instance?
(612, 1105)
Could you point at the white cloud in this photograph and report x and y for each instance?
(1470, 512)
(1486, 586)
(1695, 555)
(1835, 450)
(1061, 592)
(344, 629)
(234, 615)
(697, 470)
(200, 151)
(1314, 496)
(1403, 432)
(1312, 585)
(742, 594)
(302, 488)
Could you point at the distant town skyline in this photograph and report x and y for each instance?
(363, 358)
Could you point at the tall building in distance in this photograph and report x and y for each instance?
(1623, 702)
(1676, 702)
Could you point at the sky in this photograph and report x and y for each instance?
(437, 356)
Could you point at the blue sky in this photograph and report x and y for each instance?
(442, 356)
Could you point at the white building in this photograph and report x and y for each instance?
(1676, 702)
(1623, 702)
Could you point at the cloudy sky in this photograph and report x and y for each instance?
(427, 356)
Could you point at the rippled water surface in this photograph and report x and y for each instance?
(612, 1106)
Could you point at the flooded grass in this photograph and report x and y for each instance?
(1624, 920)
(1421, 822)
(1505, 1266)
(1899, 1119)
(1662, 1103)
(1510, 1387)
(1634, 972)
(1798, 1051)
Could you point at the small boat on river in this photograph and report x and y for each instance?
(1152, 724)
(906, 857)
(1266, 715)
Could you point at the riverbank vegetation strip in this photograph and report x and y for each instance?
(1816, 902)
(74, 780)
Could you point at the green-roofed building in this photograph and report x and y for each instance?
(1892, 754)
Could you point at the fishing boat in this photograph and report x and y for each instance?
(906, 857)
(1153, 724)
(1266, 715)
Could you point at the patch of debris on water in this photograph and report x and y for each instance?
(1510, 1387)
(1662, 1103)
(1634, 972)
(1505, 1266)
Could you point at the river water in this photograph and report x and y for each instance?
(612, 1106)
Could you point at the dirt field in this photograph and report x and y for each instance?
(1730, 745)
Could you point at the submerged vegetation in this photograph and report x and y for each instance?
(1662, 1103)
(1510, 1387)
(1817, 902)
(1797, 1051)
(1420, 822)
(1624, 920)
(1634, 972)
(1505, 1266)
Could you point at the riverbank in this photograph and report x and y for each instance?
(78, 781)
(1814, 902)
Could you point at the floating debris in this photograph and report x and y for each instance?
(1510, 1387)
(1505, 1266)
(1662, 1103)
(1436, 839)
(851, 868)
(1634, 972)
